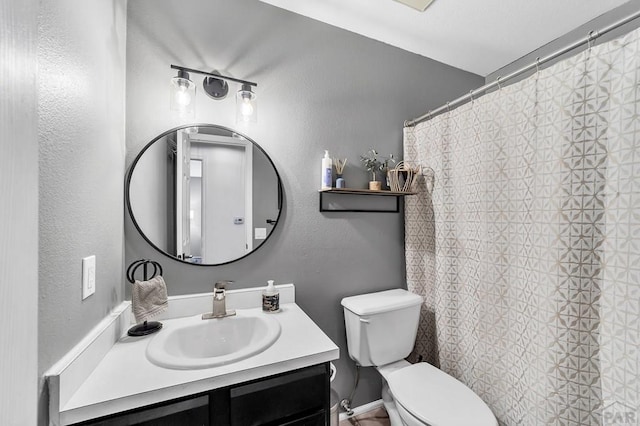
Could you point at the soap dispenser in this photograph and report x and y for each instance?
(270, 298)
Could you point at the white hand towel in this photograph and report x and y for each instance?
(149, 298)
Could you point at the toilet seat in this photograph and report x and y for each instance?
(437, 399)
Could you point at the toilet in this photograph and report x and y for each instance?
(381, 330)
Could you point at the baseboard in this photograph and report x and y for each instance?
(373, 405)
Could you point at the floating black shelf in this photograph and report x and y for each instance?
(365, 192)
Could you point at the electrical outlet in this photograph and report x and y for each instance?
(88, 276)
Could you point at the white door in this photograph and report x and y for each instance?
(195, 212)
(224, 212)
(183, 203)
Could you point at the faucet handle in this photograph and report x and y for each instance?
(221, 285)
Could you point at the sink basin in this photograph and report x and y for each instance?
(209, 343)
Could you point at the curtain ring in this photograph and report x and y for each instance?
(448, 107)
(591, 38)
(538, 64)
(498, 80)
(471, 95)
(429, 114)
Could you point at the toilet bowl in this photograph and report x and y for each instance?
(381, 329)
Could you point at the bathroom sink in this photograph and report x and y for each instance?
(201, 343)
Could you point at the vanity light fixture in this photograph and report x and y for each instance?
(246, 106)
(183, 95)
(216, 87)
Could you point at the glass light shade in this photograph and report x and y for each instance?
(183, 96)
(246, 105)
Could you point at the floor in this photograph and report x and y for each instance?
(377, 417)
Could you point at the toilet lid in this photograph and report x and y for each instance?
(436, 398)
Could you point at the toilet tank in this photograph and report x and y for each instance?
(381, 327)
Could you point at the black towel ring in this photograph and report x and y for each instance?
(131, 270)
(146, 327)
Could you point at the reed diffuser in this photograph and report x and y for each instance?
(339, 169)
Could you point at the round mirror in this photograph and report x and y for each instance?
(204, 194)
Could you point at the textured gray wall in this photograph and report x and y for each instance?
(318, 87)
(81, 54)
(18, 213)
(573, 36)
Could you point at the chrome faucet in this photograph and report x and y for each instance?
(219, 302)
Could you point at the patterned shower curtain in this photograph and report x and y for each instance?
(524, 240)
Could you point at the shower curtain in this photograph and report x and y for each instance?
(524, 240)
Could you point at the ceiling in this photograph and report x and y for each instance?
(473, 35)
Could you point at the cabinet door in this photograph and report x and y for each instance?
(281, 399)
(190, 412)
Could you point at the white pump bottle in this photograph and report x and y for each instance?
(327, 166)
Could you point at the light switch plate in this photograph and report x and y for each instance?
(261, 233)
(88, 276)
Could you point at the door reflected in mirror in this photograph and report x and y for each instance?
(204, 194)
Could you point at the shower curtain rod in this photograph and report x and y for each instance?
(593, 35)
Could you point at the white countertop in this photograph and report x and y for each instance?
(125, 379)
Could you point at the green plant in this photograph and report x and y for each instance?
(373, 163)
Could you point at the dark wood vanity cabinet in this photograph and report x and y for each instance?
(295, 398)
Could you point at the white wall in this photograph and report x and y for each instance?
(18, 213)
(577, 34)
(265, 194)
(81, 54)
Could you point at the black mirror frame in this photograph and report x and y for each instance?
(154, 140)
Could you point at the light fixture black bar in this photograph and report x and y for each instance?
(237, 80)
